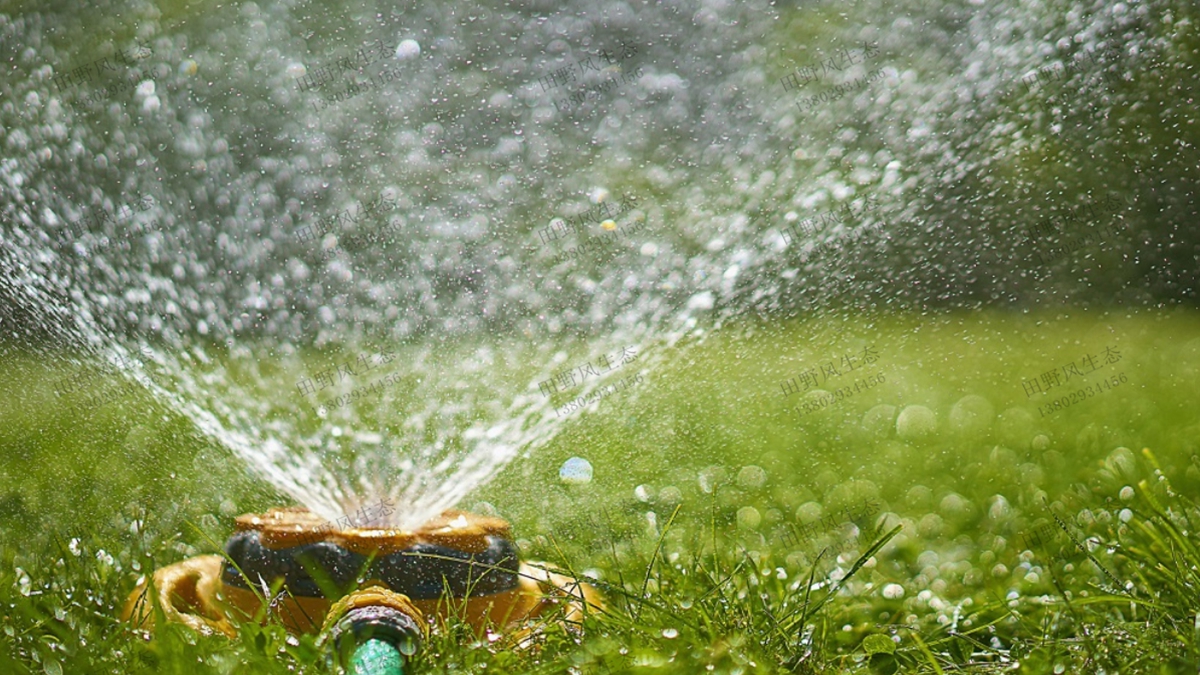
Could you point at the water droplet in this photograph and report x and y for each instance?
(1126, 493)
(893, 591)
(702, 301)
(710, 477)
(751, 477)
(670, 633)
(74, 546)
(748, 517)
(670, 495)
(408, 49)
(915, 422)
(577, 471)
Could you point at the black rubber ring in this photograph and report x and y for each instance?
(422, 572)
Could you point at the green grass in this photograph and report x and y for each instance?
(696, 473)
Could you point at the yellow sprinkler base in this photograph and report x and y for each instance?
(460, 565)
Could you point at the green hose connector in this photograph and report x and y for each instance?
(373, 631)
(377, 657)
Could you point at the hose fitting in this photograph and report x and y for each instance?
(373, 631)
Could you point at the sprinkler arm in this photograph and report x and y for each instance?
(188, 593)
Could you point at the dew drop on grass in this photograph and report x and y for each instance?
(916, 422)
(1126, 493)
(74, 546)
(52, 668)
(893, 591)
(670, 633)
(748, 517)
(408, 49)
(576, 470)
(751, 477)
(710, 477)
(23, 581)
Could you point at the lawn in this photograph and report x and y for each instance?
(878, 494)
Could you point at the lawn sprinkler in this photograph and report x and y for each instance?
(371, 593)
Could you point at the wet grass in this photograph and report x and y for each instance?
(1002, 539)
